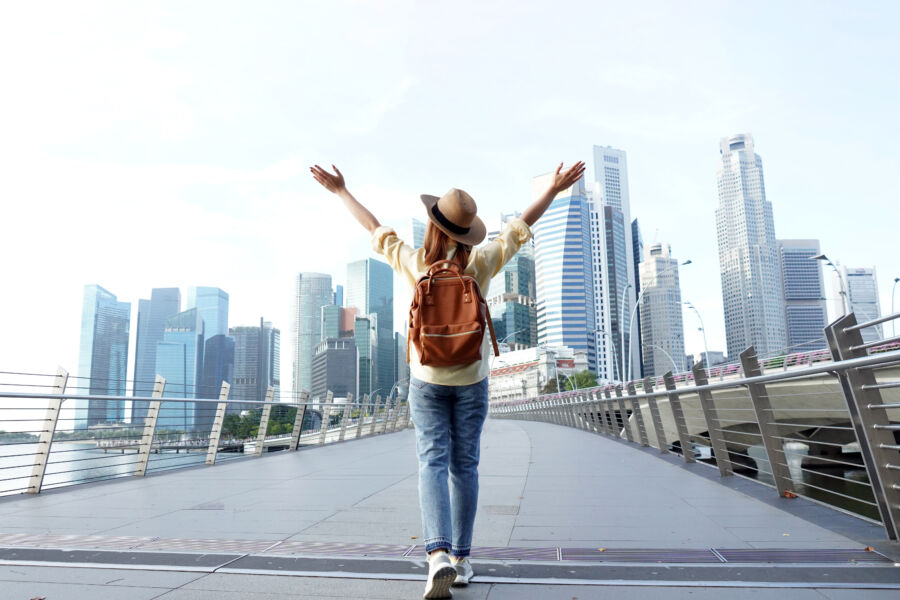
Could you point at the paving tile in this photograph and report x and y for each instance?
(116, 577)
(580, 592)
(68, 591)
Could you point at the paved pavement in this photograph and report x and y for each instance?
(245, 529)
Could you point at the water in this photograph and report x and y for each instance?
(80, 462)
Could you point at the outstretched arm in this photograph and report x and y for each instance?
(561, 180)
(335, 183)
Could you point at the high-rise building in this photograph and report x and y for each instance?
(662, 329)
(312, 291)
(179, 359)
(402, 366)
(416, 233)
(334, 368)
(511, 297)
(364, 332)
(370, 288)
(637, 246)
(748, 255)
(862, 298)
(212, 304)
(151, 324)
(613, 266)
(338, 295)
(257, 363)
(804, 294)
(563, 275)
(103, 357)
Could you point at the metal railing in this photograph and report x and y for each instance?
(826, 431)
(51, 437)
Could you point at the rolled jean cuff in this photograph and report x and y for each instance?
(437, 544)
(460, 552)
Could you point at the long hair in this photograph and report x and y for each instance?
(437, 243)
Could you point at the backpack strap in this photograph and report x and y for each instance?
(490, 322)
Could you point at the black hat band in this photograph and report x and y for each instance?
(436, 212)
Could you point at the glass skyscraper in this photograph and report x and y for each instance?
(748, 255)
(370, 288)
(511, 297)
(662, 328)
(862, 297)
(563, 271)
(103, 357)
(212, 304)
(312, 291)
(179, 359)
(257, 363)
(804, 294)
(151, 324)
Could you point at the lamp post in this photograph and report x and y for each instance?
(845, 301)
(622, 332)
(615, 355)
(669, 356)
(703, 329)
(637, 303)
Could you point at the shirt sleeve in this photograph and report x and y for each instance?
(491, 257)
(400, 256)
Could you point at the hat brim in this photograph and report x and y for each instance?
(477, 230)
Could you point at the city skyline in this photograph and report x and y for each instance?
(76, 164)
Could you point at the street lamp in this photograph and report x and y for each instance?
(703, 329)
(615, 354)
(622, 331)
(844, 300)
(669, 356)
(634, 310)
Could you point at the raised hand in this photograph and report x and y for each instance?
(564, 179)
(332, 183)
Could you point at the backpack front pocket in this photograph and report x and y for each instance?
(452, 344)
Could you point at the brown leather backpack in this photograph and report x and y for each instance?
(447, 318)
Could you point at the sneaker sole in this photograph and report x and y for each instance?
(440, 583)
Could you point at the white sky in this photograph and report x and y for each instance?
(166, 144)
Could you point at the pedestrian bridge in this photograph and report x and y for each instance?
(579, 499)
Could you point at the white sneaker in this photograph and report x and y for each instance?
(463, 571)
(441, 575)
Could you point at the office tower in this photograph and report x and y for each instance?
(416, 233)
(748, 254)
(511, 296)
(151, 324)
(662, 329)
(564, 283)
(804, 294)
(334, 367)
(337, 322)
(637, 246)
(103, 357)
(613, 266)
(402, 365)
(257, 363)
(364, 332)
(212, 304)
(370, 288)
(338, 295)
(179, 359)
(861, 286)
(312, 291)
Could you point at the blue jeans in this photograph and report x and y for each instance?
(448, 421)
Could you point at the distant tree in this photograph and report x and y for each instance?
(582, 379)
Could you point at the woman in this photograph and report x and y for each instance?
(448, 405)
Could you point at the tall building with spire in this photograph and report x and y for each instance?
(312, 291)
(749, 264)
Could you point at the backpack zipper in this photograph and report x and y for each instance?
(451, 334)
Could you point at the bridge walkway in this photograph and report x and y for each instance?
(563, 514)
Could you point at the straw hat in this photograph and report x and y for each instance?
(454, 214)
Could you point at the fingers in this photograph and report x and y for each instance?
(338, 171)
(559, 168)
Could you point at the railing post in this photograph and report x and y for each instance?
(593, 411)
(723, 460)
(765, 418)
(149, 427)
(264, 422)
(395, 415)
(611, 409)
(626, 425)
(687, 451)
(638, 414)
(604, 413)
(326, 416)
(51, 418)
(298, 421)
(874, 430)
(654, 416)
(385, 415)
(360, 423)
(215, 433)
(373, 426)
(346, 416)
